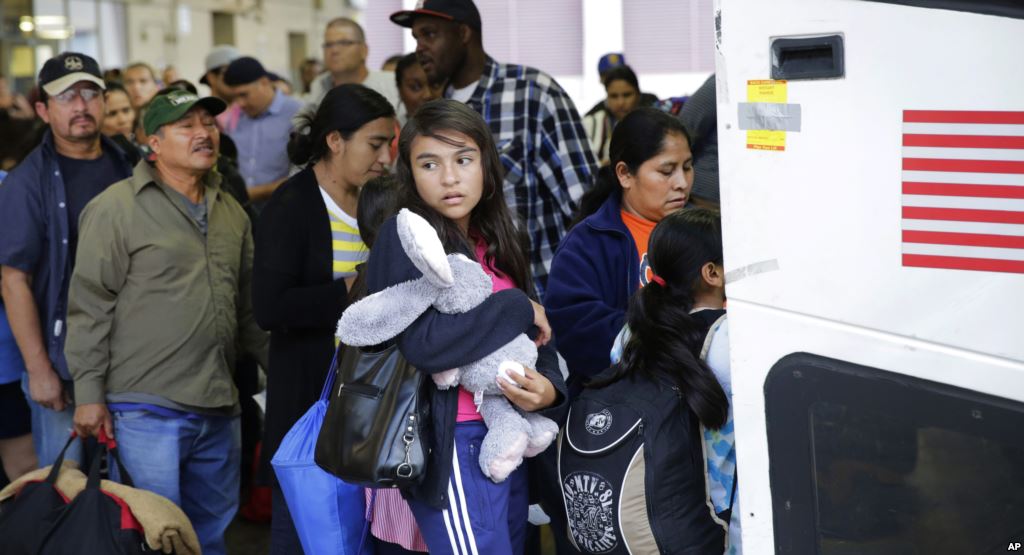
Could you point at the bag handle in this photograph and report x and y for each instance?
(332, 371)
(94, 470)
(367, 520)
(51, 478)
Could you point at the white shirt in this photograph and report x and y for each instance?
(464, 94)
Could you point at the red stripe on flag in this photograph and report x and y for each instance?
(957, 116)
(977, 166)
(960, 190)
(962, 141)
(959, 263)
(964, 239)
(963, 215)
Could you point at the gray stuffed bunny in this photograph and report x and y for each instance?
(454, 284)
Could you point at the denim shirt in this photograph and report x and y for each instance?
(34, 212)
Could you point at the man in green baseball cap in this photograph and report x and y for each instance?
(183, 136)
(160, 309)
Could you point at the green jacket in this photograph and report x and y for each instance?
(156, 307)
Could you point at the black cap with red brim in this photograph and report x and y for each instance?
(461, 11)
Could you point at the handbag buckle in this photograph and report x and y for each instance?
(404, 470)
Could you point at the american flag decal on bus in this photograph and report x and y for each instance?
(963, 190)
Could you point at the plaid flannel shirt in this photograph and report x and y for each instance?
(545, 152)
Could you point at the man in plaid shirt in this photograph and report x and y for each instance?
(538, 132)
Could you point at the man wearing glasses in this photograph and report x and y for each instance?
(345, 52)
(40, 202)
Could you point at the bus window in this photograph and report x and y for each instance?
(869, 461)
(1005, 8)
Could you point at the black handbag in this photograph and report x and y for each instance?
(372, 434)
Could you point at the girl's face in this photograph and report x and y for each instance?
(365, 155)
(415, 89)
(449, 178)
(622, 98)
(119, 115)
(661, 185)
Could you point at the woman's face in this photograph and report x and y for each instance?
(661, 185)
(119, 116)
(622, 98)
(365, 155)
(449, 178)
(415, 89)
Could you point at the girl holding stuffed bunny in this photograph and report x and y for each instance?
(450, 174)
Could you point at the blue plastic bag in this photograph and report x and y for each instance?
(329, 514)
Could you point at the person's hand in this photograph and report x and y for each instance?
(91, 418)
(45, 387)
(535, 392)
(540, 319)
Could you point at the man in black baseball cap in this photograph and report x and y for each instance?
(61, 72)
(40, 202)
(263, 127)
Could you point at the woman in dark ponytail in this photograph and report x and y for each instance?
(603, 258)
(665, 327)
(307, 250)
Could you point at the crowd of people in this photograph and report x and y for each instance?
(164, 253)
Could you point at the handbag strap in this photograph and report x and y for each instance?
(332, 371)
(368, 518)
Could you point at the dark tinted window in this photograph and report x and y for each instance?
(868, 461)
(1005, 8)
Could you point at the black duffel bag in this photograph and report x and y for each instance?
(26, 517)
(97, 521)
(372, 433)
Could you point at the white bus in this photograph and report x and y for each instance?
(872, 176)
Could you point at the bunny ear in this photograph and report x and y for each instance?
(424, 248)
(385, 314)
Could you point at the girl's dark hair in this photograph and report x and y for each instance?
(636, 139)
(403, 64)
(113, 86)
(665, 340)
(506, 246)
(345, 109)
(621, 73)
(378, 201)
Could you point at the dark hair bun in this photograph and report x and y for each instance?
(300, 148)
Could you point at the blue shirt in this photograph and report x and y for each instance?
(37, 233)
(263, 141)
(11, 364)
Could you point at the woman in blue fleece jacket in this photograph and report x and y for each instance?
(602, 260)
(450, 174)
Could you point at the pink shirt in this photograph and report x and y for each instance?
(467, 408)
